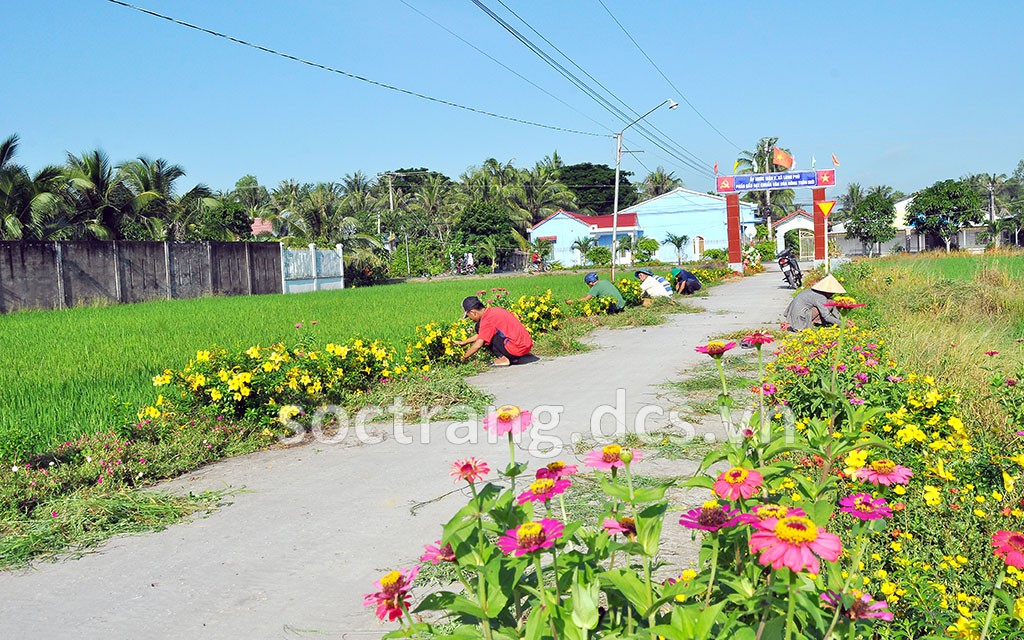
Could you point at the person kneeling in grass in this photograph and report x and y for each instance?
(504, 334)
(684, 282)
(602, 289)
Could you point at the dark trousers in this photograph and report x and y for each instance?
(499, 348)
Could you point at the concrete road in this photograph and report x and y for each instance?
(310, 528)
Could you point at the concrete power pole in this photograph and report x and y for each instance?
(992, 211)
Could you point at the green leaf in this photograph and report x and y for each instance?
(614, 490)
(585, 597)
(648, 527)
(629, 585)
(536, 624)
(651, 494)
(448, 601)
(702, 482)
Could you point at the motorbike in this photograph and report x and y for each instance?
(790, 268)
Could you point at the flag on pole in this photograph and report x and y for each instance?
(736, 166)
(835, 160)
(716, 167)
(812, 162)
(781, 158)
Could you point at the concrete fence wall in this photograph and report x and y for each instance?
(57, 275)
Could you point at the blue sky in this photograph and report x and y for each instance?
(904, 93)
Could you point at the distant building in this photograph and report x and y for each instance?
(907, 239)
(259, 225)
(700, 216)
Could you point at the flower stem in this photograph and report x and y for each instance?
(721, 374)
(714, 567)
(853, 573)
(645, 558)
(512, 460)
(791, 608)
(992, 605)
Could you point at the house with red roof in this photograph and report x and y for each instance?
(680, 212)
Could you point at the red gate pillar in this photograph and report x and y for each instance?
(732, 216)
(819, 227)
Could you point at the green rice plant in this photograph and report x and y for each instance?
(76, 371)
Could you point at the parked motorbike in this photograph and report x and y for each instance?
(790, 268)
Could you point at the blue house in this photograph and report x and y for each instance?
(700, 216)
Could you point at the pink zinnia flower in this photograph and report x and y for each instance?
(298, 325)
(864, 507)
(608, 457)
(530, 537)
(711, 516)
(543, 489)
(864, 606)
(557, 470)
(625, 525)
(794, 542)
(1010, 547)
(715, 348)
(762, 512)
(737, 483)
(508, 419)
(885, 472)
(991, 353)
(759, 338)
(435, 553)
(470, 470)
(393, 595)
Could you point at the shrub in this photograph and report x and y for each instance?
(715, 254)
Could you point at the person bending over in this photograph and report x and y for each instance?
(501, 331)
(807, 309)
(684, 282)
(653, 286)
(603, 289)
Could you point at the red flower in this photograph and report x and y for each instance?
(470, 470)
(715, 348)
(844, 302)
(759, 338)
(991, 353)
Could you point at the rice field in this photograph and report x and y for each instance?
(65, 373)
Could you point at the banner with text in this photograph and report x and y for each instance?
(771, 181)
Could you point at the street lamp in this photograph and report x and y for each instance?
(672, 104)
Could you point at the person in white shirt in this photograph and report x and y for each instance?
(653, 286)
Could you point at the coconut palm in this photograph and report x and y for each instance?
(27, 203)
(159, 213)
(761, 160)
(434, 208)
(584, 245)
(678, 242)
(659, 182)
(97, 201)
(538, 194)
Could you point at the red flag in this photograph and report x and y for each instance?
(835, 160)
(782, 159)
(725, 184)
(716, 167)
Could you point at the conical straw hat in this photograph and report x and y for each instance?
(828, 284)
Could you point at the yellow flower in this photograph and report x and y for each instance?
(855, 460)
(216, 395)
(203, 356)
(932, 497)
(1018, 609)
(895, 546)
(966, 629)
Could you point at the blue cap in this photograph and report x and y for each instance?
(590, 278)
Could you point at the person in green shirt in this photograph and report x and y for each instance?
(603, 289)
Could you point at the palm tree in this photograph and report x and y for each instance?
(537, 195)
(97, 202)
(435, 208)
(584, 245)
(761, 160)
(849, 201)
(27, 203)
(659, 182)
(677, 242)
(159, 212)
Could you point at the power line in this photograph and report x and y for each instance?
(582, 85)
(671, 84)
(503, 65)
(352, 75)
(667, 139)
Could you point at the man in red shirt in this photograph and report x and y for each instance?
(506, 337)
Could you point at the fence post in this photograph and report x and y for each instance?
(313, 267)
(284, 281)
(248, 269)
(58, 258)
(167, 270)
(209, 263)
(116, 253)
(341, 259)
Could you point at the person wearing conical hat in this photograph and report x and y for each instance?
(807, 309)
